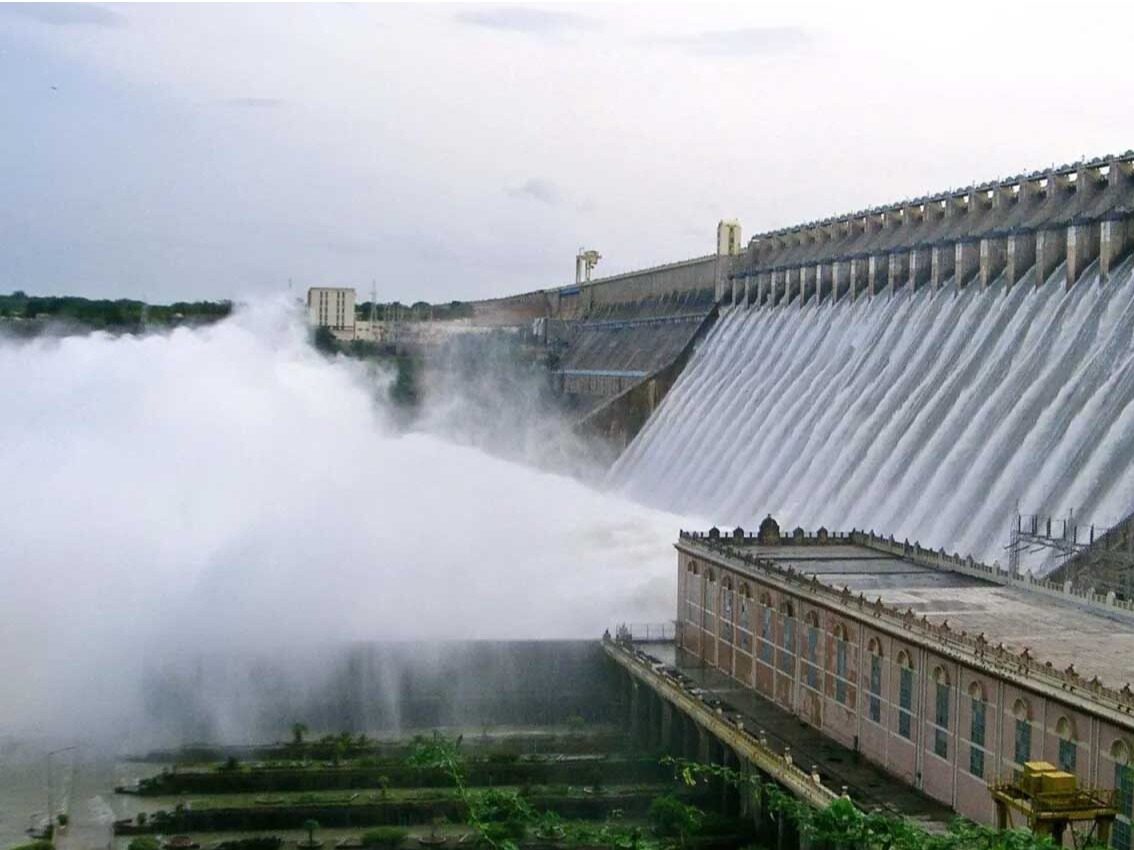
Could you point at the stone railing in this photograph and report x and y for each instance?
(939, 559)
(975, 650)
(727, 726)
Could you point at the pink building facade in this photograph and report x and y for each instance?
(945, 723)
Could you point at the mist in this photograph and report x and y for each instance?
(228, 491)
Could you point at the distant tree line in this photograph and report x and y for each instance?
(120, 313)
(419, 311)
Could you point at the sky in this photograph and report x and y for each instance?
(440, 152)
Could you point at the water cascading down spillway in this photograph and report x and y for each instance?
(927, 413)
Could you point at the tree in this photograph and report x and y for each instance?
(298, 730)
(674, 819)
(325, 341)
(309, 826)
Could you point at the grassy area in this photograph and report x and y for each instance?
(371, 796)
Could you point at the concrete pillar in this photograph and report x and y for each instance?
(1120, 173)
(942, 259)
(791, 284)
(806, 284)
(667, 727)
(1114, 243)
(691, 737)
(1082, 249)
(747, 290)
(859, 273)
(840, 279)
(704, 744)
(1020, 256)
(735, 290)
(898, 272)
(824, 276)
(635, 715)
(763, 281)
(920, 269)
(966, 263)
(777, 287)
(1051, 248)
(876, 273)
(993, 258)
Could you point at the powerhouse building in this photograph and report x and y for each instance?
(947, 673)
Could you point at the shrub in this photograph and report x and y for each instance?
(35, 845)
(673, 818)
(258, 842)
(384, 836)
(144, 842)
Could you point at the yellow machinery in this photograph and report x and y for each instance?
(1050, 801)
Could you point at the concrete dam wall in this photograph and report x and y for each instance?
(992, 368)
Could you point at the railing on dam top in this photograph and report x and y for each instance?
(1075, 215)
(972, 649)
(646, 632)
(727, 727)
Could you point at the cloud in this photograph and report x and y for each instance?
(526, 20)
(66, 14)
(255, 102)
(747, 41)
(537, 189)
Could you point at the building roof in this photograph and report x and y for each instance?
(1097, 640)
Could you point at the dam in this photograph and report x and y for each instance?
(928, 368)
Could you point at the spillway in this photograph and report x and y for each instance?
(931, 414)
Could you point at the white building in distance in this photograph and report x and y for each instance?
(332, 307)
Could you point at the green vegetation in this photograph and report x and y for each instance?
(387, 837)
(309, 826)
(844, 825)
(35, 845)
(258, 842)
(144, 842)
(672, 818)
(120, 314)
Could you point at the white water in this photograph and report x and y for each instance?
(928, 415)
(227, 490)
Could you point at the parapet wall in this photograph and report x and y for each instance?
(1022, 227)
(700, 276)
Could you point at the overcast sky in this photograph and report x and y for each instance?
(463, 151)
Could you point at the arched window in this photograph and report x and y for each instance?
(692, 591)
(978, 713)
(875, 702)
(1068, 748)
(1023, 715)
(787, 633)
(941, 712)
(905, 695)
(767, 629)
(842, 684)
(745, 621)
(726, 608)
(811, 663)
(1120, 752)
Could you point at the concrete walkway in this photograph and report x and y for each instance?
(868, 785)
